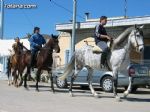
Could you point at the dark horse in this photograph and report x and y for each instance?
(44, 61)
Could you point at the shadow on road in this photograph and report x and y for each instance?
(138, 99)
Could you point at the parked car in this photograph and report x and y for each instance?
(140, 74)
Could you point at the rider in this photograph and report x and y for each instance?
(101, 38)
(36, 42)
(18, 44)
(15, 47)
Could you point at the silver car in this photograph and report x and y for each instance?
(104, 78)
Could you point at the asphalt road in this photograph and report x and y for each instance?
(20, 100)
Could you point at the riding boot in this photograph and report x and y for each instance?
(104, 58)
(32, 61)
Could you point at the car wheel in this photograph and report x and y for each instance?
(107, 84)
(61, 83)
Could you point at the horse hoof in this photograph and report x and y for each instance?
(117, 98)
(125, 94)
(70, 94)
(26, 88)
(9, 84)
(16, 85)
(96, 96)
(37, 90)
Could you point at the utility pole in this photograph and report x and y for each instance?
(74, 27)
(2, 19)
(125, 8)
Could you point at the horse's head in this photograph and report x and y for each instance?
(54, 43)
(136, 38)
(17, 48)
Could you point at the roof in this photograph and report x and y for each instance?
(90, 23)
(6, 45)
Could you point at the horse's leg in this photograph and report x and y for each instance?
(89, 78)
(8, 75)
(51, 78)
(8, 70)
(38, 73)
(25, 76)
(129, 87)
(21, 79)
(16, 81)
(115, 84)
(14, 76)
(73, 77)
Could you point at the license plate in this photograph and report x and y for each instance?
(143, 71)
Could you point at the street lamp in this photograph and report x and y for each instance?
(125, 8)
(74, 27)
(2, 19)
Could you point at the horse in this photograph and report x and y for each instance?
(13, 64)
(44, 61)
(131, 38)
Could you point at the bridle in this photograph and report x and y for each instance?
(137, 44)
(50, 48)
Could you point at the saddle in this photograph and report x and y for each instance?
(97, 50)
(104, 56)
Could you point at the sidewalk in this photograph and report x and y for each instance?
(3, 76)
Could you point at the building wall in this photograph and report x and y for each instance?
(64, 43)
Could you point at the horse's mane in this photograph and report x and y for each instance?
(121, 38)
(49, 42)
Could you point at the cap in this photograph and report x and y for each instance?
(36, 28)
(16, 38)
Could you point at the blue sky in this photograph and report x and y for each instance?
(18, 22)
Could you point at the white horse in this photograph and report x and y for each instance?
(131, 38)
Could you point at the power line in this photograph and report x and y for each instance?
(28, 19)
(26, 16)
(60, 6)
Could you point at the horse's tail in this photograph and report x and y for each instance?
(69, 68)
(8, 68)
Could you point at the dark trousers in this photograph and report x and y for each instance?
(33, 56)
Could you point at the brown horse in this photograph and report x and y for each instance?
(44, 60)
(13, 63)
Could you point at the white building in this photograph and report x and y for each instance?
(5, 47)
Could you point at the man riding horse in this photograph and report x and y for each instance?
(17, 48)
(36, 42)
(14, 60)
(101, 38)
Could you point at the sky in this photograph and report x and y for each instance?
(19, 22)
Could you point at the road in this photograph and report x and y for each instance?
(14, 99)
